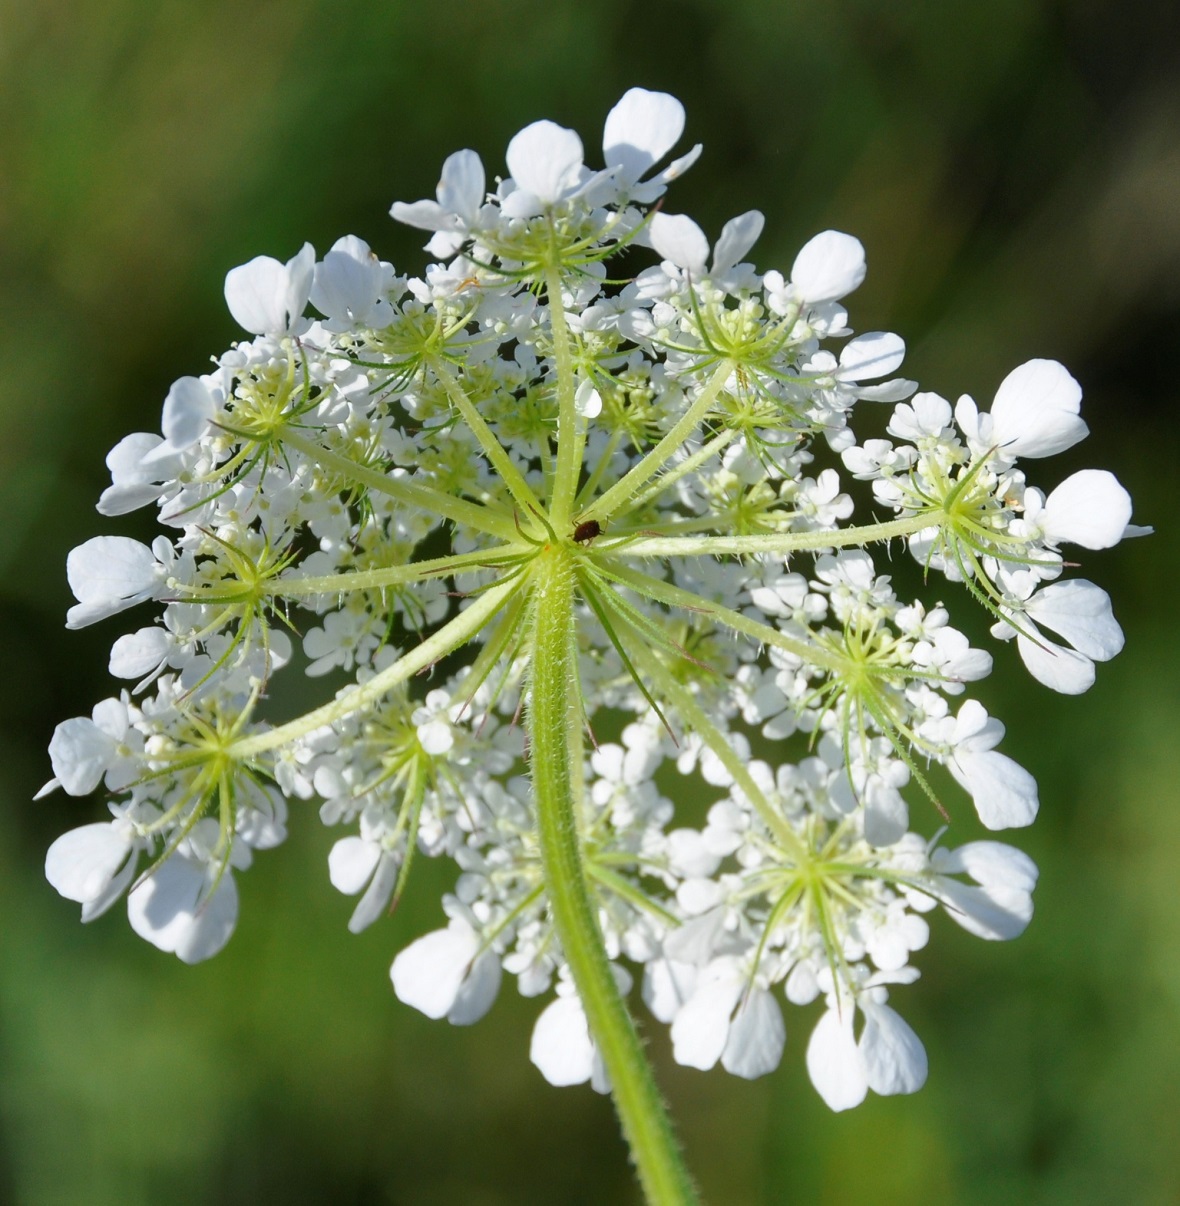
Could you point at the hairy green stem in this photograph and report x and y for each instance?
(411, 573)
(620, 493)
(569, 441)
(555, 736)
(473, 515)
(492, 448)
(448, 638)
(782, 543)
(694, 717)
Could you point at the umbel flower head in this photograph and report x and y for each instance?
(562, 520)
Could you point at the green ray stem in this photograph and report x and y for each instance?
(555, 737)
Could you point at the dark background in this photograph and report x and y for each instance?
(1013, 169)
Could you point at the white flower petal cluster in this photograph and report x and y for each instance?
(373, 491)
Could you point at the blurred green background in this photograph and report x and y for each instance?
(1013, 169)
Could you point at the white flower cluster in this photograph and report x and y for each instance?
(405, 476)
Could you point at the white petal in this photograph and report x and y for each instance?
(126, 458)
(545, 159)
(430, 971)
(376, 899)
(801, 987)
(561, 1046)
(678, 238)
(828, 267)
(666, 986)
(256, 294)
(1060, 669)
(738, 235)
(463, 185)
(422, 215)
(435, 737)
(80, 753)
(834, 1063)
(1004, 793)
(640, 130)
(757, 1036)
(187, 410)
(82, 863)
(1089, 508)
(701, 1028)
(351, 863)
(139, 653)
(894, 1058)
(995, 912)
(1035, 412)
(975, 729)
(300, 274)
(172, 911)
(95, 908)
(587, 400)
(1079, 611)
(110, 567)
(867, 357)
(477, 993)
(886, 815)
(651, 189)
(347, 284)
(990, 863)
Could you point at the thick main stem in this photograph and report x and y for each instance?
(555, 734)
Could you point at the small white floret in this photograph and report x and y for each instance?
(108, 574)
(267, 297)
(82, 863)
(545, 160)
(1089, 508)
(828, 267)
(1035, 412)
(178, 909)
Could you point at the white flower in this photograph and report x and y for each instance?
(730, 1019)
(142, 468)
(1004, 793)
(84, 751)
(350, 286)
(639, 131)
(1080, 612)
(108, 574)
(356, 863)
(888, 1057)
(266, 297)
(1034, 414)
(397, 482)
(187, 907)
(1000, 907)
(444, 974)
(682, 242)
(455, 216)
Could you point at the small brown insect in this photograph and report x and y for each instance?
(586, 531)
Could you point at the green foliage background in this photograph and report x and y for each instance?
(1012, 167)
